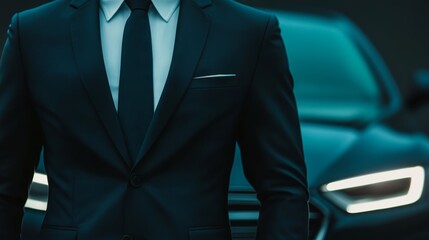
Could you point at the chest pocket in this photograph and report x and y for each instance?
(215, 81)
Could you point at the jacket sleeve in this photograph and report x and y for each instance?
(271, 145)
(20, 138)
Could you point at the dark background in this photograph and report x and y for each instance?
(399, 29)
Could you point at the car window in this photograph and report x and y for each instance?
(333, 79)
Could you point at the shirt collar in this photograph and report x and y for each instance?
(165, 8)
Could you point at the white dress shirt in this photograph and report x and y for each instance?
(163, 17)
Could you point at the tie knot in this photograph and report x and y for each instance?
(138, 4)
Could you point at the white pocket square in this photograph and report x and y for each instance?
(216, 76)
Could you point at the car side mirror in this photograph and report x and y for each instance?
(419, 93)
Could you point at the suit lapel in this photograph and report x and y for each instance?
(192, 30)
(85, 32)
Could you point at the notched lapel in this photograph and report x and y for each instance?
(77, 3)
(85, 32)
(191, 35)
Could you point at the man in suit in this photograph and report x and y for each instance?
(148, 158)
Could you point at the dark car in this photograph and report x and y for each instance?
(366, 180)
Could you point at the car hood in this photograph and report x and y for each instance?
(334, 152)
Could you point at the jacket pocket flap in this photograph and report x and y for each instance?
(214, 82)
(210, 233)
(49, 233)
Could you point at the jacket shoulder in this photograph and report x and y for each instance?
(241, 18)
(46, 12)
(44, 20)
(242, 12)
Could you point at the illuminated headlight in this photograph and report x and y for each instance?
(378, 190)
(38, 195)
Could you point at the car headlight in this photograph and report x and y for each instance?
(378, 190)
(38, 194)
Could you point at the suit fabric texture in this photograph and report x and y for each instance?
(54, 94)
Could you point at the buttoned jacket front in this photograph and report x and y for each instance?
(228, 82)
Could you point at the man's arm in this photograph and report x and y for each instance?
(20, 138)
(270, 142)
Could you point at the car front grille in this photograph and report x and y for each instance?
(244, 213)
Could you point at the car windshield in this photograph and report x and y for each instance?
(333, 80)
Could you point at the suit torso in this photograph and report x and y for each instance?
(178, 188)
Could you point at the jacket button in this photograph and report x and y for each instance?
(127, 237)
(136, 181)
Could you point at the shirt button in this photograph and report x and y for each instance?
(136, 181)
(127, 237)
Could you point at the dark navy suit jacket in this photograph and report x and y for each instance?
(54, 93)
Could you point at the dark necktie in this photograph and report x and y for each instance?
(135, 104)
